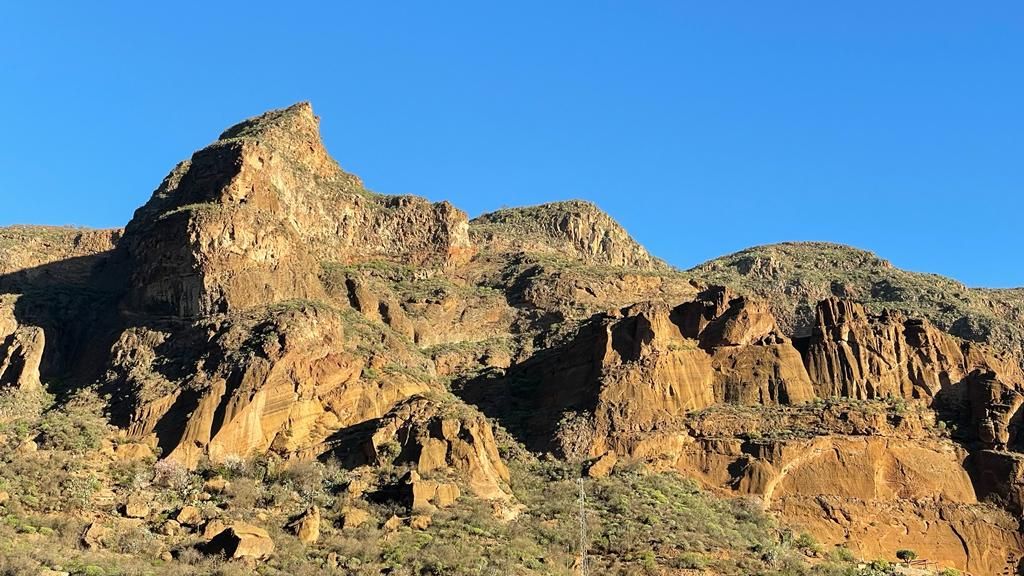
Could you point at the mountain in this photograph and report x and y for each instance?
(273, 369)
(794, 276)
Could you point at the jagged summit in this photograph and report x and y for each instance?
(249, 220)
(573, 228)
(297, 118)
(292, 133)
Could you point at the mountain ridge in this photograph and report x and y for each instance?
(264, 314)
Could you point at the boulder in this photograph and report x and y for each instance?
(241, 541)
(213, 527)
(190, 516)
(602, 466)
(392, 524)
(129, 451)
(95, 536)
(420, 522)
(353, 518)
(424, 494)
(20, 355)
(170, 528)
(307, 526)
(137, 506)
(216, 485)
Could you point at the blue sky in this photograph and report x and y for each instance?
(704, 127)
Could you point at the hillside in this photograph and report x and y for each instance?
(794, 276)
(272, 369)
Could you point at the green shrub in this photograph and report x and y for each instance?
(842, 554)
(906, 556)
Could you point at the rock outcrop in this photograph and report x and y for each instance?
(794, 276)
(439, 443)
(25, 251)
(283, 380)
(21, 349)
(264, 303)
(307, 526)
(572, 229)
(637, 369)
(247, 221)
(241, 541)
(857, 355)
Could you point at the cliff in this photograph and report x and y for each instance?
(264, 314)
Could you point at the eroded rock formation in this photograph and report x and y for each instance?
(264, 302)
(247, 221)
(21, 349)
(420, 432)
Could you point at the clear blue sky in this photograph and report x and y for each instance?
(704, 127)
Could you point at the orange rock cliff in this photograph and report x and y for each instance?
(264, 302)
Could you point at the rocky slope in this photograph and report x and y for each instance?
(363, 368)
(792, 277)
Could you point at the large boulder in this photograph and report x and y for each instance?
(241, 541)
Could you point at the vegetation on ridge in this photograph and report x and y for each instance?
(794, 276)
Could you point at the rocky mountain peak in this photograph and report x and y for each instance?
(292, 132)
(573, 228)
(295, 119)
(380, 360)
(248, 220)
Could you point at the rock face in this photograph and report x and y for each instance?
(263, 302)
(236, 241)
(631, 382)
(573, 228)
(282, 381)
(649, 364)
(436, 443)
(247, 221)
(857, 355)
(21, 349)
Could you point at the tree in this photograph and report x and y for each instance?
(907, 556)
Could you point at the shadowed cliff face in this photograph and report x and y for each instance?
(263, 302)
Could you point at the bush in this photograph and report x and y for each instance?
(807, 544)
(78, 426)
(907, 556)
(842, 554)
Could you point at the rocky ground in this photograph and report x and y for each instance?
(272, 369)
